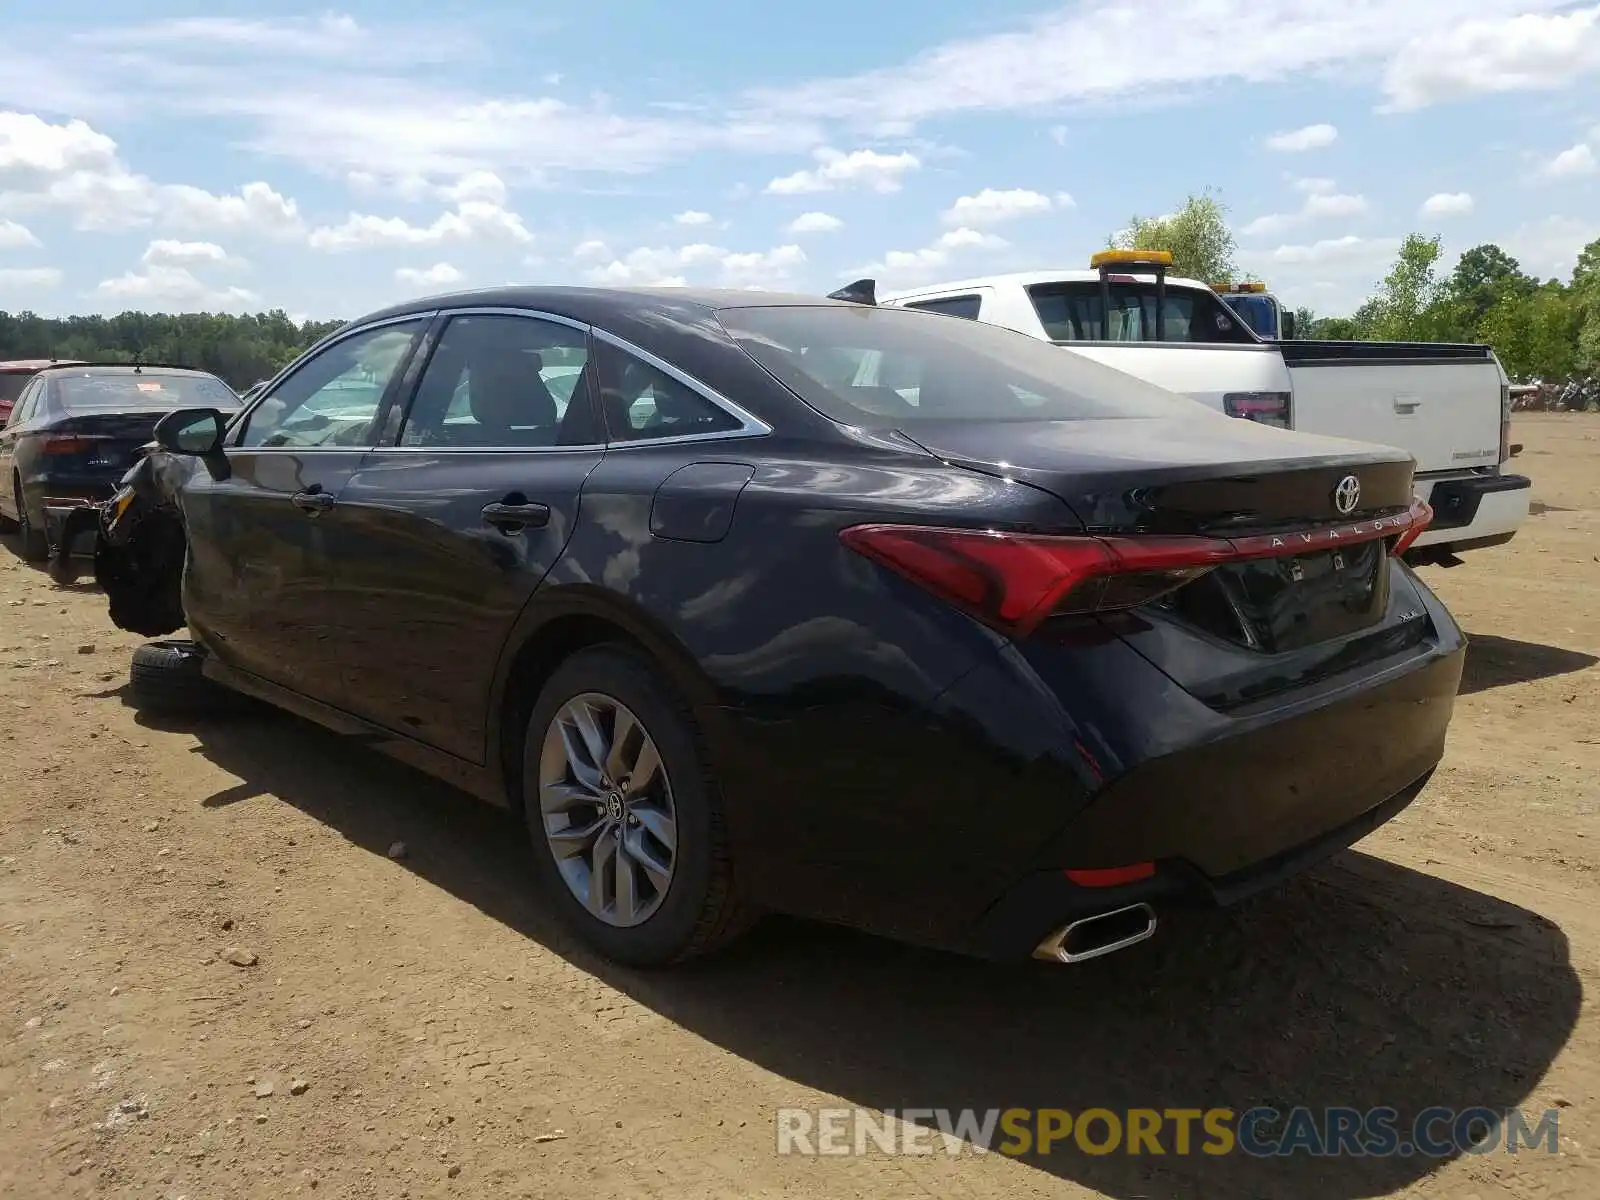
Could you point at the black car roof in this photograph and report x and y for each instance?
(124, 369)
(595, 305)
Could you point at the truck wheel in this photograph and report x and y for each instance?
(628, 837)
(166, 676)
(34, 546)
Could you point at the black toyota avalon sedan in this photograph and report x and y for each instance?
(751, 602)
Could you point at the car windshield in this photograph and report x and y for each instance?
(143, 391)
(889, 367)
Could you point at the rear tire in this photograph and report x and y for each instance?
(35, 547)
(166, 676)
(698, 910)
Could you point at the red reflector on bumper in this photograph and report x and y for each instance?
(1110, 876)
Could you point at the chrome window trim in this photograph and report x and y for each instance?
(750, 425)
(242, 418)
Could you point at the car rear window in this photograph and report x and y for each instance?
(11, 385)
(143, 391)
(888, 367)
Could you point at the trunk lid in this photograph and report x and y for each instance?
(1245, 630)
(1207, 474)
(112, 441)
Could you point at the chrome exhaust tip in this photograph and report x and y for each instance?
(1099, 935)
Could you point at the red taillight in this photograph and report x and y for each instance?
(1422, 517)
(1013, 581)
(66, 444)
(1269, 408)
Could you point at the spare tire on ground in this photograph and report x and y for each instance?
(167, 676)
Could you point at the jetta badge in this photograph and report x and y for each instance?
(1346, 495)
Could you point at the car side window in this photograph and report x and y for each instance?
(952, 306)
(333, 399)
(27, 404)
(497, 380)
(642, 402)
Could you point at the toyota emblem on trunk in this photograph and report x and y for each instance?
(1346, 495)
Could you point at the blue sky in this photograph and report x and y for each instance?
(328, 161)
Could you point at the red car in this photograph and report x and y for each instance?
(14, 376)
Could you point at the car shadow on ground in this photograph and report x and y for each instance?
(1496, 662)
(1362, 984)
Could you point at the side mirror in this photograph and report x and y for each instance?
(1288, 327)
(194, 431)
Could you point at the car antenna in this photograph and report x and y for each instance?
(862, 291)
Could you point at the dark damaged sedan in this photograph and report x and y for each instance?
(752, 602)
(73, 430)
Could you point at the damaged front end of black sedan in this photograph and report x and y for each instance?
(139, 545)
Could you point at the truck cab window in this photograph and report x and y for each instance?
(1075, 312)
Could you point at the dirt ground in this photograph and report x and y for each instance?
(424, 1030)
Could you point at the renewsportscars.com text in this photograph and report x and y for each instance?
(1258, 1132)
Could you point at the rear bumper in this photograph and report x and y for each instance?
(1229, 818)
(1474, 511)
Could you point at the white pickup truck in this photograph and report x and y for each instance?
(1447, 405)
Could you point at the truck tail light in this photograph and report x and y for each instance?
(1270, 408)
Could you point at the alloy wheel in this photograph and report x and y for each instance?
(606, 807)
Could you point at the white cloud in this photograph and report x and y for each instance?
(75, 168)
(1550, 247)
(472, 221)
(174, 289)
(32, 149)
(815, 222)
(917, 265)
(591, 249)
(1347, 249)
(1058, 134)
(15, 237)
(674, 266)
(1319, 204)
(1101, 52)
(439, 275)
(29, 277)
(860, 168)
(167, 253)
(1572, 163)
(483, 187)
(1529, 51)
(693, 217)
(1447, 204)
(992, 206)
(1295, 141)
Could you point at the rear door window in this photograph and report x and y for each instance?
(952, 306)
(1076, 312)
(501, 381)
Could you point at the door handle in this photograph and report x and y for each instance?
(1406, 404)
(312, 501)
(512, 518)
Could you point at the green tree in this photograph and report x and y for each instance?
(239, 349)
(1537, 335)
(1197, 236)
(1485, 275)
(1407, 306)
